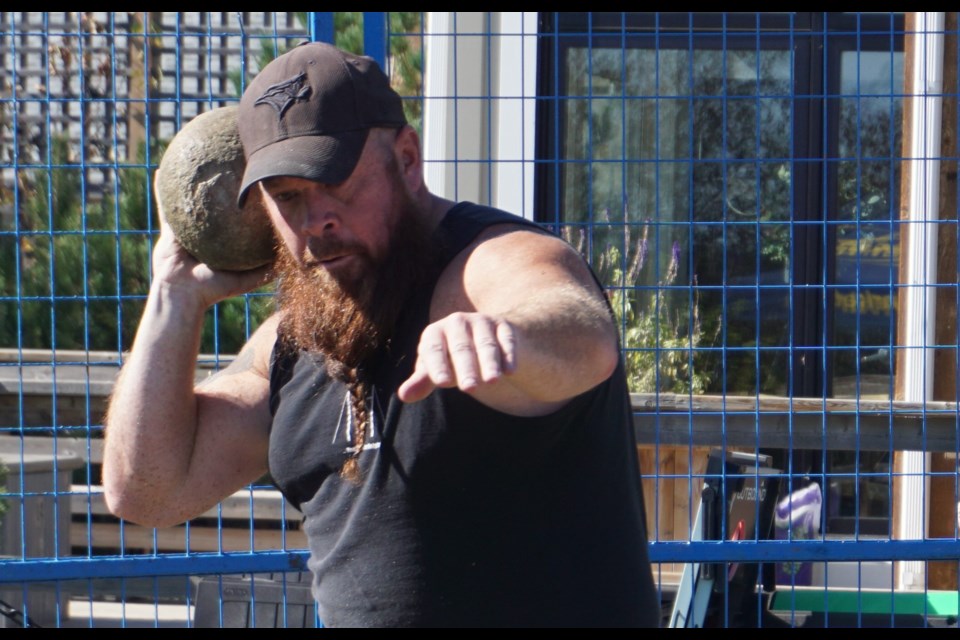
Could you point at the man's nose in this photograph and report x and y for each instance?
(322, 215)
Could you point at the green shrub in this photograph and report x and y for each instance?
(662, 333)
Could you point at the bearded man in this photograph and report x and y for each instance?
(440, 392)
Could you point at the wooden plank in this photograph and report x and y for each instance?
(774, 422)
(943, 519)
(106, 535)
(686, 403)
(216, 530)
(694, 466)
(654, 465)
(684, 463)
(943, 487)
(799, 423)
(75, 373)
(39, 445)
(906, 144)
(665, 491)
(61, 356)
(945, 357)
(649, 481)
(835, 433)
(246, 504)
(83, 373)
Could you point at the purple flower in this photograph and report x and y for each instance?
(640, 258)
(674, 265)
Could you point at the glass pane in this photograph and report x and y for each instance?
(682, 160)
(866, 258)
(867, 242)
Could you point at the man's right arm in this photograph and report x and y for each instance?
(172, 451)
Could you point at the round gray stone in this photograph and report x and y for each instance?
(196, 186)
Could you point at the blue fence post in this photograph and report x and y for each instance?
(375, 36)
(374, 32)
(321, 26)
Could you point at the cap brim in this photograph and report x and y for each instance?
(328, 159)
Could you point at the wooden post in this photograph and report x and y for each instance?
(672, 497)
(943, 489)
(141, 74)
(942, 497)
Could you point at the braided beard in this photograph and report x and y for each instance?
(349, 321)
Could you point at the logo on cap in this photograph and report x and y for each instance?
(283, 95)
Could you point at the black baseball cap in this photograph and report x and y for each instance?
(307, 114)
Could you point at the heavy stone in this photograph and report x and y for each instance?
(196, 187)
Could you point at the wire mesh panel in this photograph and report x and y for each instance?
(89, 101)
(740, 183)
(769, 200)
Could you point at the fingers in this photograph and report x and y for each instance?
(508, 341)
(464, 350)
(251, 279)
(176, 267)
(417, 387)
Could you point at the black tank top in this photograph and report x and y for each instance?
(465, 516)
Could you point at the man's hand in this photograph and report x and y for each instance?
(463, 350)
(176, 268)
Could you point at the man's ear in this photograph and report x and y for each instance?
(407, 150)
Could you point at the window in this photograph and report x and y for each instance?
(734, 180)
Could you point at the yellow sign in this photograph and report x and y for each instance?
(868, 247)
(870, 303)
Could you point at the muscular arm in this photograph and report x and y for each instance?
(173, 451)
(519, 323)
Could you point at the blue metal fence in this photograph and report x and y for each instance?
(754, 190)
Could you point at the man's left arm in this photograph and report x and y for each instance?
(519, 323)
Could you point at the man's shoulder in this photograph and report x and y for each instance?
(503, 253)
(466, 214)
(468, 226)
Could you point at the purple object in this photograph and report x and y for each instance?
(797, 517)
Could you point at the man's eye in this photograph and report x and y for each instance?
(284, 196)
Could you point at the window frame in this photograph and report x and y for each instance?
(817, 42)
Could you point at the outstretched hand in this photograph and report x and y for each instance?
(463, 350)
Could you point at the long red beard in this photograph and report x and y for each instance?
(348, 321)
(319, 315)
